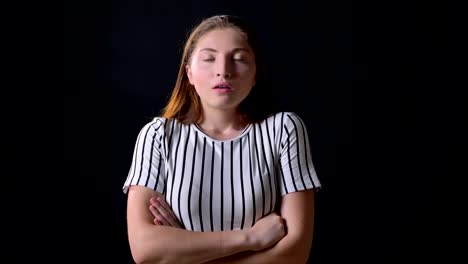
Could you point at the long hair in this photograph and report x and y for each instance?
(184, 103)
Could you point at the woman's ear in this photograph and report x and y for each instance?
(189, 73)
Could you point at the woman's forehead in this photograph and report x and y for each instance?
(221, 39)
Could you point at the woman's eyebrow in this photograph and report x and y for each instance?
(234, 50)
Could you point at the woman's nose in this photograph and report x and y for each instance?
(224, 68)
(225, 74)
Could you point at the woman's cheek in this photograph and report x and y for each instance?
(198, 71)
(203, 68)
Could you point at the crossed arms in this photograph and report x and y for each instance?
(155, 237)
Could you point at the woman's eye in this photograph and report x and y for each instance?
(208, 59)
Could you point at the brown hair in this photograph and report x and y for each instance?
(184, 103)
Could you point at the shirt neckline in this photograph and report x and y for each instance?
(242, 134)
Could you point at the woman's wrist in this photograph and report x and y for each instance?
(232, 242)
(250, 241)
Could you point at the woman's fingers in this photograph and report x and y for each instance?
(162, 201)
(167, 215)
(160, 211)
(159, 219)
(267, 231)
(165, 211)
(157, 222)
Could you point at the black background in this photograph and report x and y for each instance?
(370, 80)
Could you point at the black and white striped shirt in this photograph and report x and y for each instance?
(214, 185)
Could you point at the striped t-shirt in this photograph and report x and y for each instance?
(214, 185)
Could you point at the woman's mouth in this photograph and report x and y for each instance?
(223, 87)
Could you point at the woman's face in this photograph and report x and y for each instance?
(222, 69)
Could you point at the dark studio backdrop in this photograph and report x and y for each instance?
(361, 75)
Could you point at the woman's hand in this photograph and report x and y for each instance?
(267, 231)
(162, 212)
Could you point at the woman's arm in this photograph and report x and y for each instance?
(298, 211)
(150, 243)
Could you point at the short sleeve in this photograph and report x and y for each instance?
(147, 166)
(296, 169)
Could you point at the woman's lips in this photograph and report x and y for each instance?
(223, 87)
(222, 90)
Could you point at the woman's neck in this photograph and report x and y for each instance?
(222, 124)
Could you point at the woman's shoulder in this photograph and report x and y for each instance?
(282, 120)
(284, 116)
(162, 123)
(287, 120)
(162, 120)
(157, 123)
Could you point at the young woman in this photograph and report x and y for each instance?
(221, 177)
